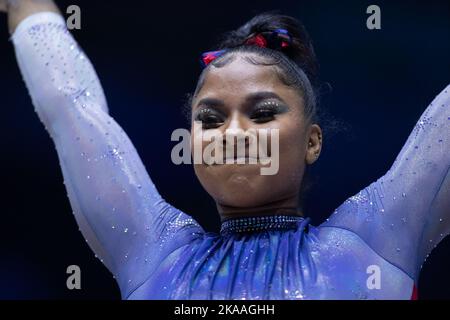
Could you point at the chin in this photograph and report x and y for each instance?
(240, 199)
(241, 190)
(236, 185)
(246, 178)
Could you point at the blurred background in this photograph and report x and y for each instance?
(147, 57)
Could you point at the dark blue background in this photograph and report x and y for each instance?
(147, 58)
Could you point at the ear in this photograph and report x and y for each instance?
(314, 144)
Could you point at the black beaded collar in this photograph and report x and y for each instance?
(260, 223)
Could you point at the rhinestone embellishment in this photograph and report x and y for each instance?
(260, 223)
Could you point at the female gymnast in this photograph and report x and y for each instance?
(262, 75)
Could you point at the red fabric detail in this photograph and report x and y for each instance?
(208, 58)
(257, 40)
(415, 293)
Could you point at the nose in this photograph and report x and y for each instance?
(235, 138)
(235, 124)
(236, 127)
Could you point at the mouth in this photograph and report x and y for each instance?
(238, 157)
(240, 160)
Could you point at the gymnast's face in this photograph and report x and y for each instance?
(243, 97)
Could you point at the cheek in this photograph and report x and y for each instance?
(210, 177)
(292, 152)
(291, 141)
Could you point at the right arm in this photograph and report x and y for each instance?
(120, 213)
(18, 10)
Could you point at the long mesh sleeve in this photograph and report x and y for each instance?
(119, 211)
(406, 213)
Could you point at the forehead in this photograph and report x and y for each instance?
(240, 78)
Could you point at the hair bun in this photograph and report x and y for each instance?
(300, 50)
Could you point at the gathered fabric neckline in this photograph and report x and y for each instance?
(260, 223)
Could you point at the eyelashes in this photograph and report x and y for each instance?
(261, 113)
(209, 117)
(265, 112)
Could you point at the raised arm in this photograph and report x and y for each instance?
(18, 10)
(406, 213)
(119, 211)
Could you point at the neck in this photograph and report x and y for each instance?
(287, 206)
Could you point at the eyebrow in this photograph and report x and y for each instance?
(249, 99)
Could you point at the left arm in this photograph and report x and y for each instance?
(406, 213)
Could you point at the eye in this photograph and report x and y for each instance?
(209, 118)
(265, 112)
(263, 115)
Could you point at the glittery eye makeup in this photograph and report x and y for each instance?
(209, 117)
(266, 111)
(262, 112)
(259, 107)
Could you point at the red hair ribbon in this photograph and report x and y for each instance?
(257, 40)
(208, 57)
(278, 39)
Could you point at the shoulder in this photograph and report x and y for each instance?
(348, 264)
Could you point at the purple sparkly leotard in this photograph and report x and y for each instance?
(372, 246)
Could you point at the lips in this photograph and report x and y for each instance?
(230, 151)
(240, 160)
